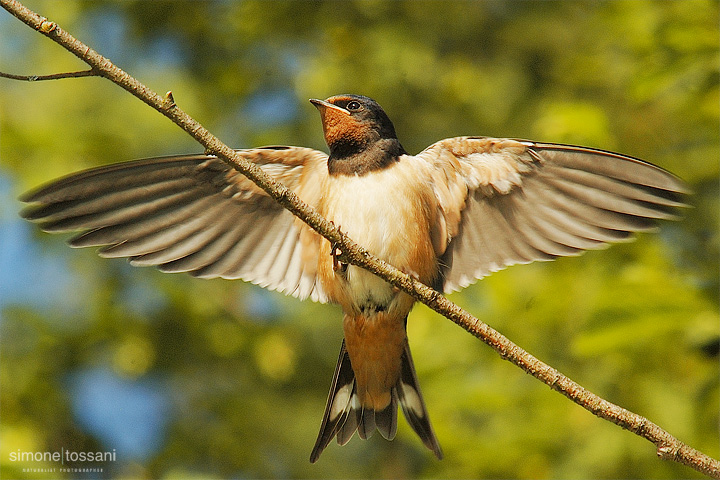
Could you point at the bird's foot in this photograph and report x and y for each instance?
(339, 266)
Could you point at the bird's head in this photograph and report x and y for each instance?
(354, 124)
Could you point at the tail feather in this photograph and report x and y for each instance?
(386, 419)
(347, 429)
(366, 427)
(413, 405)
(338, 407)
(344, 414)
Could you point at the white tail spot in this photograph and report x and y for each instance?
(412, 400)
(340, 403)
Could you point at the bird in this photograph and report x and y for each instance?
(448, 216)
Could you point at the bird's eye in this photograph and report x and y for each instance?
(353, 106)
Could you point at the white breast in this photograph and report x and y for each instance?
(388, 213)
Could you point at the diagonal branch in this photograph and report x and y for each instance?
(668, 447)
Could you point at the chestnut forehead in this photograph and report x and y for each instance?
(340, 99)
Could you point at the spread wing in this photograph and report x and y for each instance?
(195, 214)
(504, 202)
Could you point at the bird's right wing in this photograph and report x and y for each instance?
(196, 214)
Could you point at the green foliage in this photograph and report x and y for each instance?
(247, 372)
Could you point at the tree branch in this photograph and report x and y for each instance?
(54, 76)
(667, 446)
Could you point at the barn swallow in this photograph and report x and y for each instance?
(457, 211)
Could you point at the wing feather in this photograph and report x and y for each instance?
(150, 233)
(195, 214)
(216, 241)
(511, 201)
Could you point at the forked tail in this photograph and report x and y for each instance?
(344, 414)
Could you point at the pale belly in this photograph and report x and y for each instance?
(389, 214)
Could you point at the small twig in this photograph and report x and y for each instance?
(667, 446)
(55, 76)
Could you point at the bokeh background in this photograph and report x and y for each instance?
(188, 378)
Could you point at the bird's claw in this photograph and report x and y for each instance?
(338, 265)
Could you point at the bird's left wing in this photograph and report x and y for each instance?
(505, 201)
(196, 214)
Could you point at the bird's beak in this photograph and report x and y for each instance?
(322, 105)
